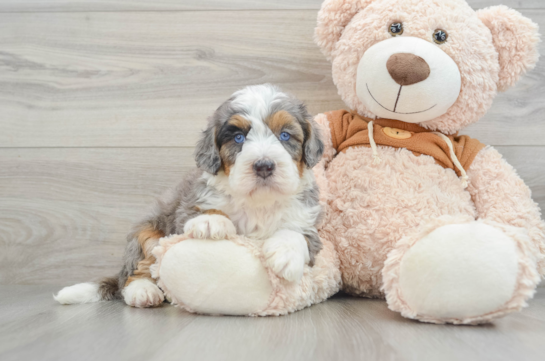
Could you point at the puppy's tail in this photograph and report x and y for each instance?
(105, 290)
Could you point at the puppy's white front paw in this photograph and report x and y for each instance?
(210, 226)
(286, 253)
(142, 293)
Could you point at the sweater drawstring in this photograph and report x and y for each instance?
(454, 159)
(376, 157)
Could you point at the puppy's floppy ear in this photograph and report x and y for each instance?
(333, 17)
(515, 38)
(207, 154)
(313, 147)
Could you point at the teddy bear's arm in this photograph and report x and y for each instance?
(502, 196)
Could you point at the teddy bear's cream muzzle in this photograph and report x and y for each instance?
(408, 79)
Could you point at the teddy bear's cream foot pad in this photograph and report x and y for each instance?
(215, 277)
(459, 271)
(467, 272)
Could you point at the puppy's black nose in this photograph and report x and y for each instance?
(264, 168)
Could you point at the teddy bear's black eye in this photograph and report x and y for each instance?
(396, 29)
(440, 36)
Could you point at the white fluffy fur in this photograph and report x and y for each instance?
(210, 226)
(418, 102)
(261, 216)
(80, 293)
(142, 293)
(286, 253)
(460, 270)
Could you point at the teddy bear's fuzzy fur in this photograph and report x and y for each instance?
(378, 212)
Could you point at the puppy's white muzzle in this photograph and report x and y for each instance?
(426, 98)
(245, 179)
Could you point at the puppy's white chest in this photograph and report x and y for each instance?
(257, 223)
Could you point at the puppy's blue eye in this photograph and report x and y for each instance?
(239, 138)
(285, 136)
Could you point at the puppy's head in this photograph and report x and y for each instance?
(262, 140)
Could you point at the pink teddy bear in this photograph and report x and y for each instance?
(439, 224)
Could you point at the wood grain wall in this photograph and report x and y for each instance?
(101, 104)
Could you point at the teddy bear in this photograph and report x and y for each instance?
(437, 223)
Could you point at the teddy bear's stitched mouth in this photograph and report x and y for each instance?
(422, 111)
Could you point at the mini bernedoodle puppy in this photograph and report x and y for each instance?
(254, 178)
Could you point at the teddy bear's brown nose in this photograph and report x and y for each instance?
(407, 69)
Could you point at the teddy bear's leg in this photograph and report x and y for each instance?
(215, 277)
(233, 277)
(461, 271)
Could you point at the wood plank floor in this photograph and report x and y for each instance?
(34, 327)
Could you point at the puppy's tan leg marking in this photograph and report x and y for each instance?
(215, 211)
(140, 289)
(148, 239)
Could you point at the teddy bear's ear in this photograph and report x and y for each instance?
(515, 38)
(332, 19)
